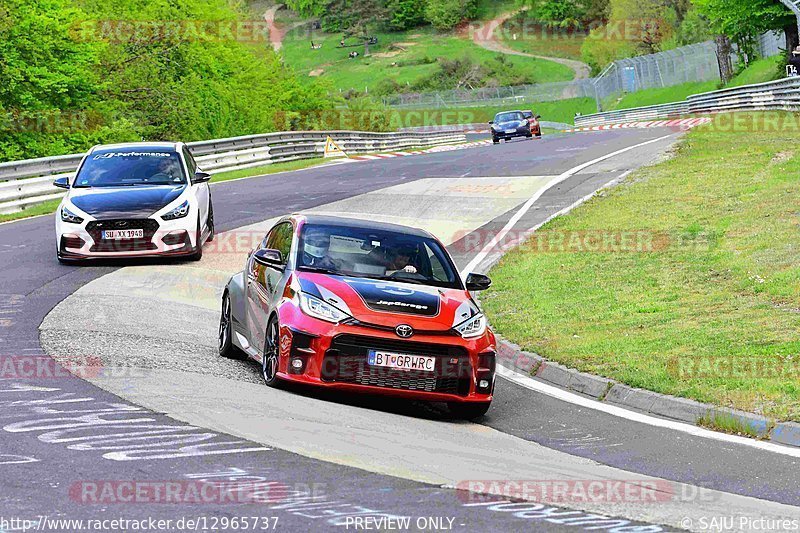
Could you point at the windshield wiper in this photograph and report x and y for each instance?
(321, 270)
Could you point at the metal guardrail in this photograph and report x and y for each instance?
(780, 95)
(652, 112)
(30, 182)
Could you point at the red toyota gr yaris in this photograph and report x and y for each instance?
(361, 306)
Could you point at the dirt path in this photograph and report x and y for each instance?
(485, 37)
(277, 32)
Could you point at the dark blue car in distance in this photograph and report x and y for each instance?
(510, 124)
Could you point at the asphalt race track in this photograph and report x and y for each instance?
(163, 408)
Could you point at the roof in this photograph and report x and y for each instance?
(328, 220)
(138, 145)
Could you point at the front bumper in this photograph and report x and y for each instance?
(505, 135)
(160, 238)
(335, 357)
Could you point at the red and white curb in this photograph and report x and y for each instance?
(683, 123)
(435, 149)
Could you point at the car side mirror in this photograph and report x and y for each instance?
(268, 257)
(478, 282)
(491, 122)
(201, 177)
(538, 117)
(62, 183)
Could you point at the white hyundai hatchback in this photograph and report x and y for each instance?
(135, 200)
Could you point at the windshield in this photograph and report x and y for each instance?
(120, 168)
(384, 255)
(508, 117)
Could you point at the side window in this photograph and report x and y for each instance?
(190, 162)
(280, 238)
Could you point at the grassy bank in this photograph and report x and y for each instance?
(709, 310)
(404, 58)
(559, 111)
(533, 39)
(676, 93)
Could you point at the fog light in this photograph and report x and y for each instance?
(483, 384)
(297, 364)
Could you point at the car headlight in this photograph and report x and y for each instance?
(69, 216)
(473, 327)
(179, 212)
(316, 308)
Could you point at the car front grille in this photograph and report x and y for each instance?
(96, 227)
(346, 362)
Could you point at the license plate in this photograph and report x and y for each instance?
(511, 131)
(401, 361)
(117, 234)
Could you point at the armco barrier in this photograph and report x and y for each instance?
(29, 182)
(780, 95)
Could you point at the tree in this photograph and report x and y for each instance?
(744, 20)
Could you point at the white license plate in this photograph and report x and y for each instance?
(117, 234)
(401, 361)
(511, 131)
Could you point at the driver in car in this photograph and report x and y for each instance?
(399, 261)
(168, 170)
(316, 248)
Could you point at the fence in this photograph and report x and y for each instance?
(692, 63)
(29, 182)
(780, 95)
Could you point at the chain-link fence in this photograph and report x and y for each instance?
(692, 63)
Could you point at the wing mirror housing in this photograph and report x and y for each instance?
(269, 257)
(478, 282)
(62, 182)
(201, 177)
(491, 122)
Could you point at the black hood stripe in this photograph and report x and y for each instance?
(393, 298)
(126, 202)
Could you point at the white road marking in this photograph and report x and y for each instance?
(527, 206)
(566, 396)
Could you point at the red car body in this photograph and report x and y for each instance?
(383, 318)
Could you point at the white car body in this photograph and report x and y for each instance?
(136, 207)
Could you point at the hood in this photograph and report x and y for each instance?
(390, 304)
(139, 201)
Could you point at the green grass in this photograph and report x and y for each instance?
(722, 281)
(415, 54)
(727, 424)
(676, 93)
(762, 70)
(35, 210)
(538, 41)
(267, 169)
(558, 111)
(489, 9)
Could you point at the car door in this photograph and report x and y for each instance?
(201, 191)
(264, 283)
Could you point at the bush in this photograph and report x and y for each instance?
(446, 14)
(405, 14)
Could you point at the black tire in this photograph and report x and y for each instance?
(495, 141)
(467, 411)
(538, 135)
(210, 222)
(271, 356)
(198, 251)
(226, 347)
